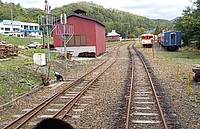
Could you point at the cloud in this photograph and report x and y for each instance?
(156, 10)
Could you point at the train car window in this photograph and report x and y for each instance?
(173, 36)
(147, 37)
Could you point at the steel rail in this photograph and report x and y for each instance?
(81, 93)
(130, 94)
(154, 91)
(43, 104)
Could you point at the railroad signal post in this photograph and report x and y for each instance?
(66, 32)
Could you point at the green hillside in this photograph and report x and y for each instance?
(123, 22)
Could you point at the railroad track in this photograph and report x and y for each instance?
(143, 110)
(60, 104)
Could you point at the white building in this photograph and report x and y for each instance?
(20, 29)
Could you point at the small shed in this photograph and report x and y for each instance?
(88, 35)
(113, 36)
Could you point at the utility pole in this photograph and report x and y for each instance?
(11, 15)
(11, 18)
(47, 11)
(66, 32)
(47, 21)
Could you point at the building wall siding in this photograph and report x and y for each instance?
(101, 39)
(113, 38)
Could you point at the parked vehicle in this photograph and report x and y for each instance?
(34, 44)
(147, 40)
(170, 40)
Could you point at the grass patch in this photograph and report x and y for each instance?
(13, 63)
(192, 56)
(109, 44)
(18, 41)
(17, 73)
(30, 53)
(19, 90)
(2, 90)
(21, 41)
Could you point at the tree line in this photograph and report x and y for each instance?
(189, 25)
(125, 23)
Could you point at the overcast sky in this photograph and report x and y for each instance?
(153, 9)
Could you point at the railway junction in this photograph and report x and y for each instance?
(128, 87)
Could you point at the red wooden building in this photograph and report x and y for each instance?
(113, 36)
(88, 34)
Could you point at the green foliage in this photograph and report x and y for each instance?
(9, 63)
(189, 24)
(192, 56)
(3, 78)
(158, 30)
(20, 90)
(123, 22)
(18, 41)
(164, 24)
(109, 44)
(2, 90)
(30, 52)
(26, 81)
(19, 13)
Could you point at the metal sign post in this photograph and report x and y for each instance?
(65, 31)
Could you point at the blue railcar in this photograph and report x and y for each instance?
(171, 40)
